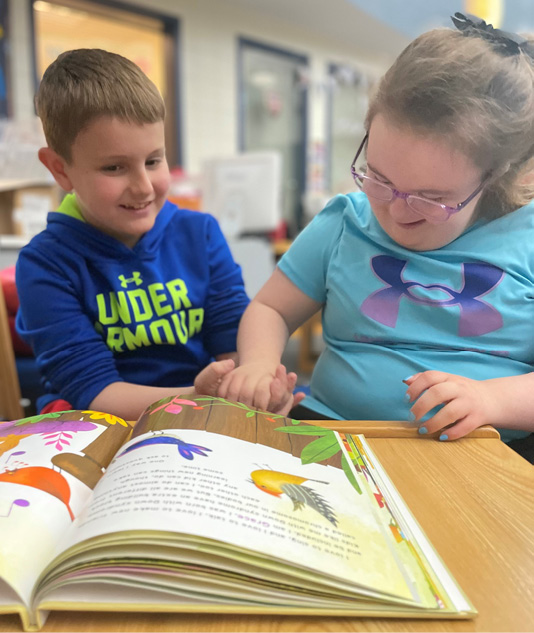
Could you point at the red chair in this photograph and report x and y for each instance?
(11, 297)
(10, 396)
(19, 376)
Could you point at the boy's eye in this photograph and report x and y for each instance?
(111, 168)
(152, 162)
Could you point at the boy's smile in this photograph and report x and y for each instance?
(120, 176)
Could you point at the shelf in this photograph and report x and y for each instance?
(13, 185)
(8, 241)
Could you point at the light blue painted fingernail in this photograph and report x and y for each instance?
(411, 415)
(408, 378)
(422, 430)
(407, 397)
(443, 438)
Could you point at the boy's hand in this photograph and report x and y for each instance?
(466, 404)
(208, 380)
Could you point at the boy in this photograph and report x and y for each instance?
(124, 297)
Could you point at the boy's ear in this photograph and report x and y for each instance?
(56, 166)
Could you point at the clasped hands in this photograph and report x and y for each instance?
(254, 384)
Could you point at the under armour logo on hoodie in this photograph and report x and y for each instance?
(135, 278)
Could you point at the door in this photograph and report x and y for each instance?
(147, 38)
(348, 101)
(273, 98)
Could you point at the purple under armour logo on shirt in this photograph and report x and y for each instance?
(476, 316)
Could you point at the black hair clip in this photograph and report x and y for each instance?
(507, 43)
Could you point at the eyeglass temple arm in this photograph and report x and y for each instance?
(475, 193)
(352, 167)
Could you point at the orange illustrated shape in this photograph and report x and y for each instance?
(42, 478)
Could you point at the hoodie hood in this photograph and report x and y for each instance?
(67, 225)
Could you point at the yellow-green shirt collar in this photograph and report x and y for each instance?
(69, 206)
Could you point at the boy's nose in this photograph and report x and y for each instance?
(141, 184)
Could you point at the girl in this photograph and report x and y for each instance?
(426, 275)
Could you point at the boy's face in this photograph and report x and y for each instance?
(120, 176)
(424, 166)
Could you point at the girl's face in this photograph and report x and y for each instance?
(426, 166)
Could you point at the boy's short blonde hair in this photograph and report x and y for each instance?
(84, 84)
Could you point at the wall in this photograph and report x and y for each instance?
(208, 60)
(21, 59)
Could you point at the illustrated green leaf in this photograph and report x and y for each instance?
(350, 475)
(304, 430)
(295, 422)
(39, 418)
(320, 449)
(221, 402)
(225, 403)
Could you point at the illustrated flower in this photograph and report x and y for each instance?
(174, 406)
(107, 417)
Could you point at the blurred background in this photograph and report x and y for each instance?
(266, 101)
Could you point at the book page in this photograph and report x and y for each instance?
(48, 467)
(417, 553)
(245, 495)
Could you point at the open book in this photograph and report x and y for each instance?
(207, 506)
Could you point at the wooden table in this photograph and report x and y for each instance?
(474, 499)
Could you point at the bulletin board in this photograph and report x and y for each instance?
(64, 26)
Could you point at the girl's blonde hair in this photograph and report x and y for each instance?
(450, 85)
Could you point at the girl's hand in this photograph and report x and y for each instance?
(465, 404)
(249, 384)
(256, 386)
(282, 397)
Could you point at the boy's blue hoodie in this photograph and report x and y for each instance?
(98, 312)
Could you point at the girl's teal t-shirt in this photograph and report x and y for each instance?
(466, 308)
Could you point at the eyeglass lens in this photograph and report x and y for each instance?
(385, 193)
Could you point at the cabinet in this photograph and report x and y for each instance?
(32, 198)
(24, 205)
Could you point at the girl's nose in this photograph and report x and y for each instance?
(401, 212)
